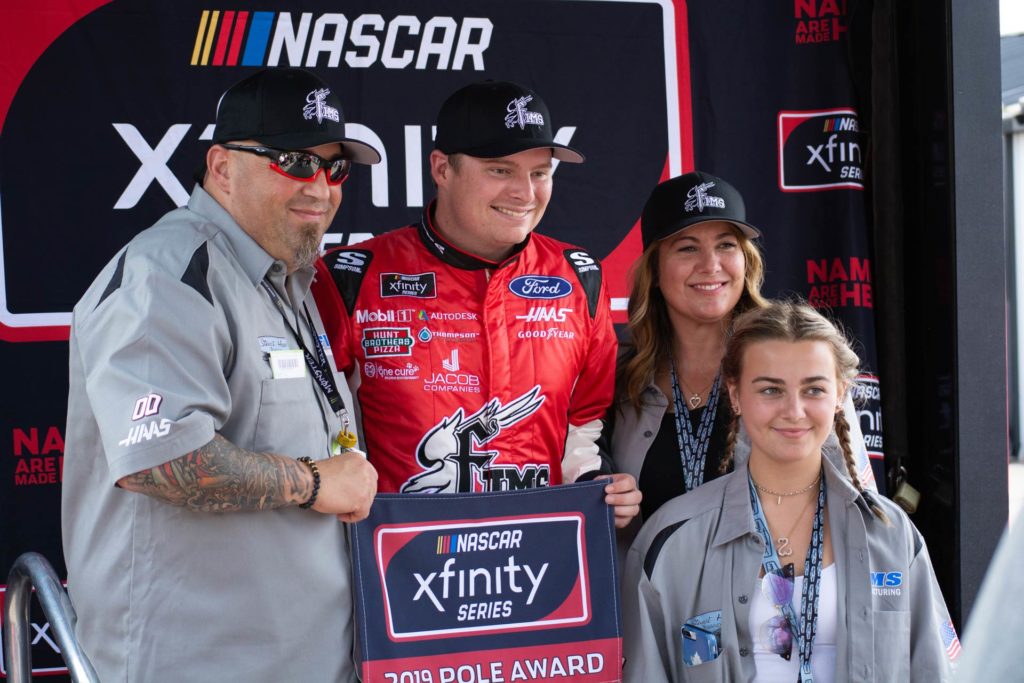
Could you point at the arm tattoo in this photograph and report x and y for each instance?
(221, 477)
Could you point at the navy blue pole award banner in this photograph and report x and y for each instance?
(488, 587)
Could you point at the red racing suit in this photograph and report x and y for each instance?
(467, 373)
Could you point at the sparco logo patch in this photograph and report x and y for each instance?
(382, 342)
(820, 150)
(540, 287)
(421, 286)
(487, 576)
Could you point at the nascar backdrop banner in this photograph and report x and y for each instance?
(107, 106)
(513, 586)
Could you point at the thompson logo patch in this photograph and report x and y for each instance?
(540, 287)
(487, 576)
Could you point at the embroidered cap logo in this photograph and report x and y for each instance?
(698, 198)
(317, 106)
(519, 115)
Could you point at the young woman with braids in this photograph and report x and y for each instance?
(700, 267)
(786, 568)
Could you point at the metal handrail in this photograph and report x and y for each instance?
(32, 570)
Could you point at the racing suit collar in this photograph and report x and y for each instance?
(451, 254)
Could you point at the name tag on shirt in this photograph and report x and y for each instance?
(268, 344)
(287, 364)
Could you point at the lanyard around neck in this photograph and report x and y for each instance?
(693, 448)
(318, 365)
(804, 630)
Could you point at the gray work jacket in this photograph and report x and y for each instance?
(700, 553)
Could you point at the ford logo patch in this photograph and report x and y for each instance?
(540, 287)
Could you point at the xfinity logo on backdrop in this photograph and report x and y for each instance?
(370, 55)
(154, 160)
(820, 150)
(232, 38)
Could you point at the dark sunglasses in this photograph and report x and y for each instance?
(777, 587)
(302, 166)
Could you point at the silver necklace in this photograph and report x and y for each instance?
(785, 494)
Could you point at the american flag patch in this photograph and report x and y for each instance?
(950, 640)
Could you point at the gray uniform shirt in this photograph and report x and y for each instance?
(168, 347)
(701, 553)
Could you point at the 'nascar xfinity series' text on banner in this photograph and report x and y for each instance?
(472, 588)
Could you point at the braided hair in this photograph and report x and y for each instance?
(793, 321)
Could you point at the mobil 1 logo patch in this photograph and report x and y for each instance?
(419, 286)
(820, 150)
(540, 287)
(488, 576)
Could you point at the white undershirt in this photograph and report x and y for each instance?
(771, 667)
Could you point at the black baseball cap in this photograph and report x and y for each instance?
(495, 119)
(687, 200)
(287, 109)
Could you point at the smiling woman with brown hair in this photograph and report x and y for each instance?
(700, 268)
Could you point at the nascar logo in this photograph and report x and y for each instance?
(484, 540)
(230, 38)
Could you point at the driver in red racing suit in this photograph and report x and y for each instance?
(481, 355)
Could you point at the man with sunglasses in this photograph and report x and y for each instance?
(483, 352)
(206, 463)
